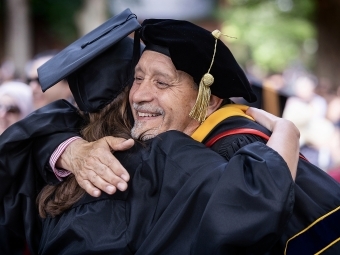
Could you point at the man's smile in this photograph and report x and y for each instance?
(146, 114)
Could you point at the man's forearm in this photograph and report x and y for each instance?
(55, 165)
(63, 157)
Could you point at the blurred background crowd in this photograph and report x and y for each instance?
(288, 49)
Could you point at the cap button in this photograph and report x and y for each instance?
(208, 79)
(216, 33)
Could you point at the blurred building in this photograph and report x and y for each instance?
(170, 9)
(29, 27)
(200, 12)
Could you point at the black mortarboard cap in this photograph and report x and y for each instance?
(97, 66)
(101, 80)
(192, 50)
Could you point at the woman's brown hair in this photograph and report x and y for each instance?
(112, 120)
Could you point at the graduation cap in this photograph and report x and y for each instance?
(97, 66)
(202, 55)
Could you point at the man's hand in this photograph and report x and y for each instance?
(94, 166)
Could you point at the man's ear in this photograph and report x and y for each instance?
(214, 103)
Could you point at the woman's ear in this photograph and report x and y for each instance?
(214, 103)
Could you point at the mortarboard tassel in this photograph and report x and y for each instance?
(199, 111)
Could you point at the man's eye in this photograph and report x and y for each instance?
(138, 78)
(162, 84)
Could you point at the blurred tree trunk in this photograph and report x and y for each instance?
(91, 15)
(328, 60)
(18, 43)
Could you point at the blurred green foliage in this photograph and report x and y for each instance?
(270, 33)
(58, 15)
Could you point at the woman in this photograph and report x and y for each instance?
(15, 103)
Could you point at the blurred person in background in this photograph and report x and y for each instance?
(15, 103)
(304, 105)
(7, 71)
(333, 114)
(325, 88)
(319, 134)
(308, 111)
(60, 91)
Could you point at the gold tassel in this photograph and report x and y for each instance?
(199, 111)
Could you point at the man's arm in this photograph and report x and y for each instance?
(94, 165)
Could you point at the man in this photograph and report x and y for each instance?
(174, 87)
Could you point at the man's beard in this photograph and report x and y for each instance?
(136, 131)
(146, 135)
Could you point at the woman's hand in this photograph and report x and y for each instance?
(284, 139)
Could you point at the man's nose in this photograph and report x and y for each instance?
(142, 92)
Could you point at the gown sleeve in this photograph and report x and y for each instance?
(25, 148)
(250, 206)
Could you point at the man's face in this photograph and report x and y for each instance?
(60, 90)
(161, 97)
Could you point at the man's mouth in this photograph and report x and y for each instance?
(145, 114)
(147, 111)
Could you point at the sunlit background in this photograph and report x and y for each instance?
(288, 48)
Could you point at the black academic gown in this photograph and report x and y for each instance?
(316, 195)
(176, 203)
(183, 198)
